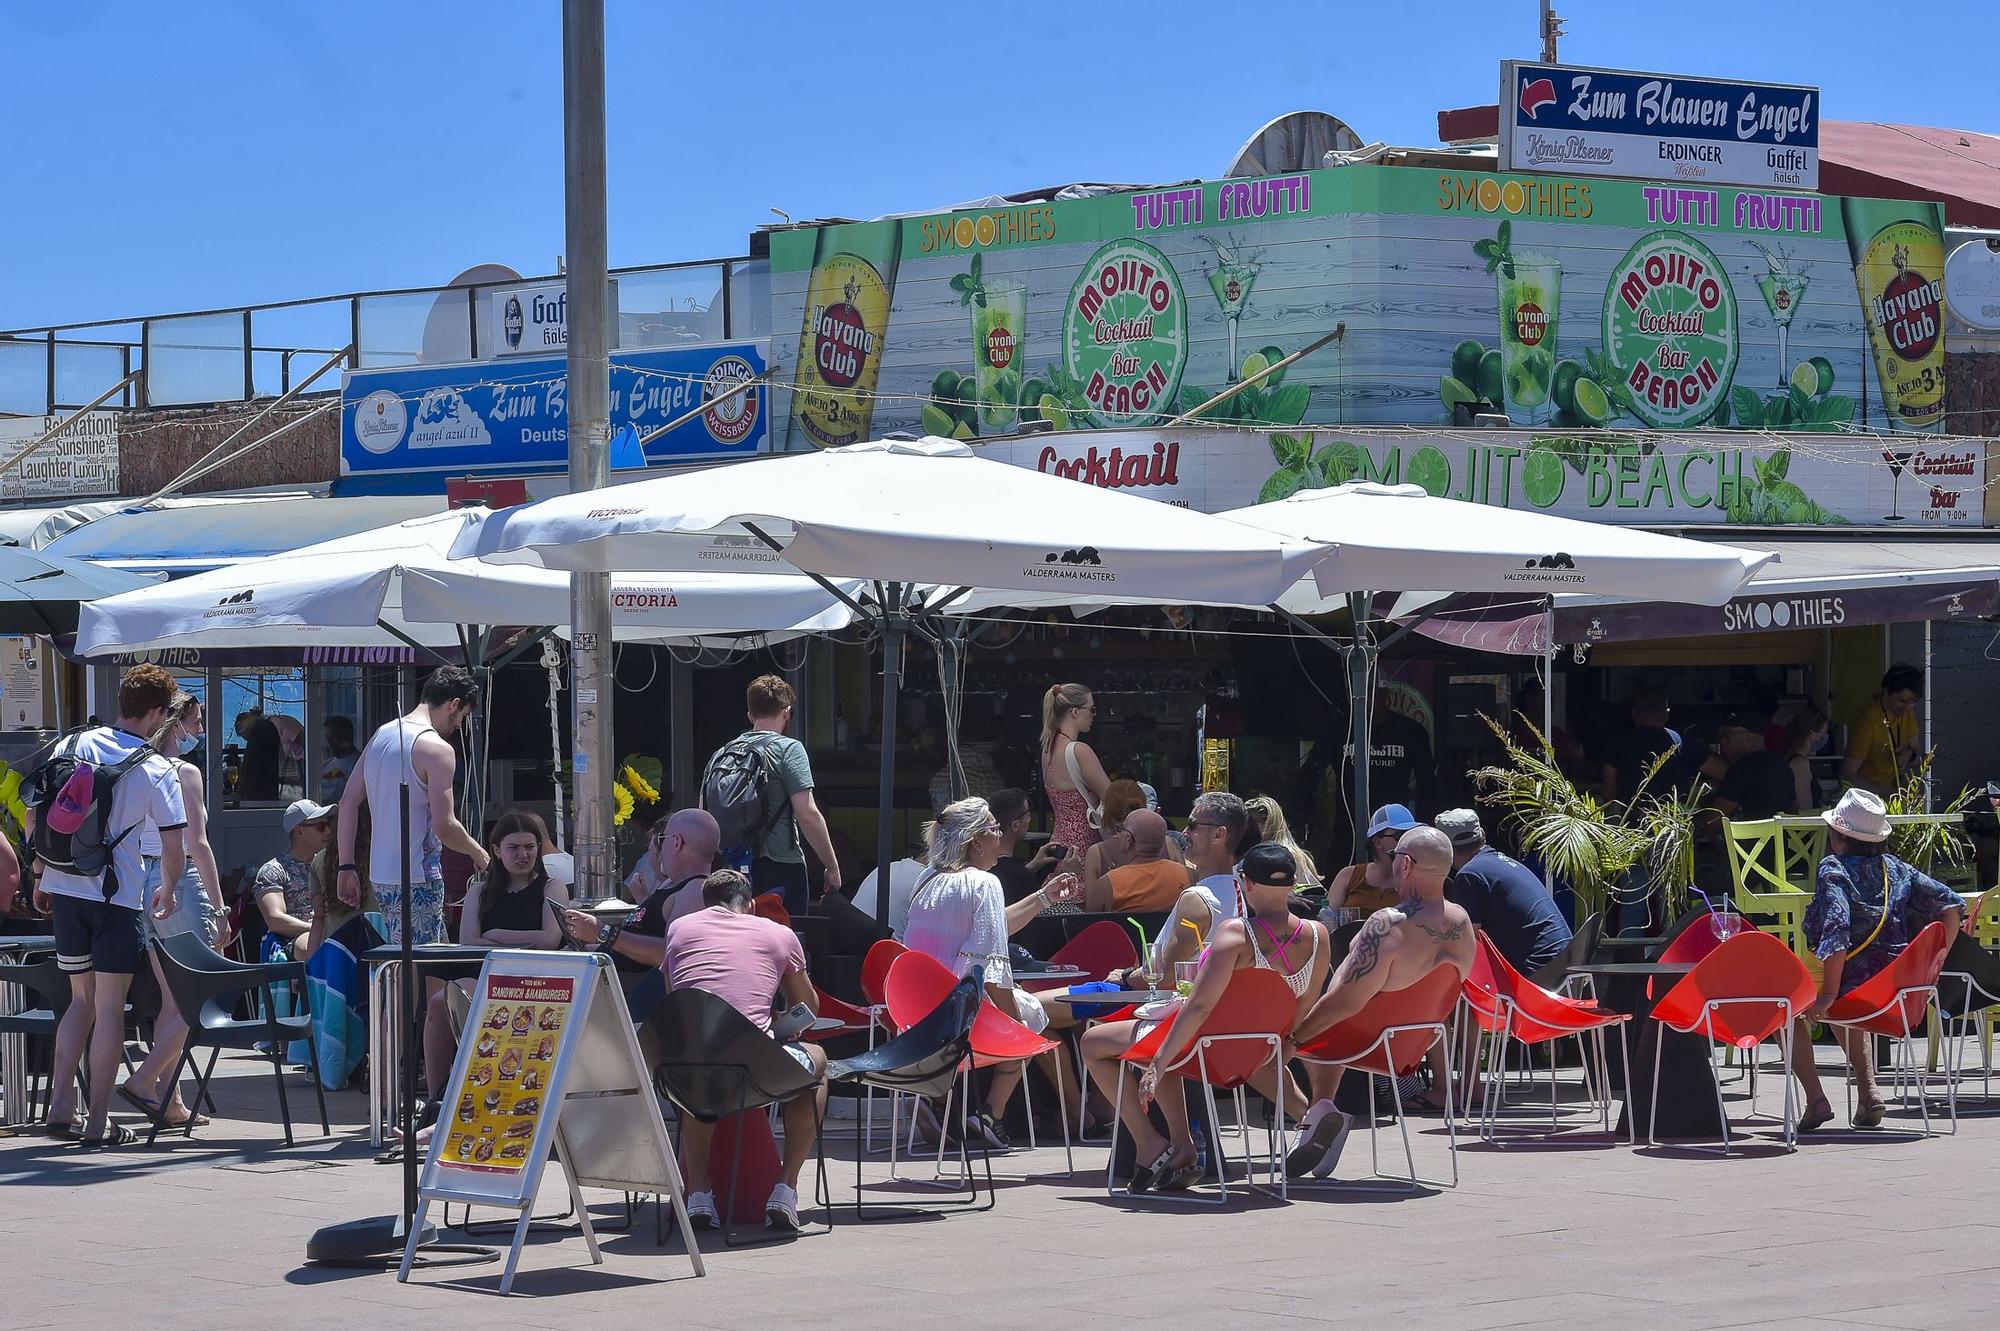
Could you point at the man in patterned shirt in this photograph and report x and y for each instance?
(283, 888)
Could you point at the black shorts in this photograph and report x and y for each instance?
(97, 936)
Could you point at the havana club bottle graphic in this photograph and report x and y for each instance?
(1898, 252)
(841, 338)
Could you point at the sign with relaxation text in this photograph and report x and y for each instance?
(1658, 478)
(1613, 122)
(1560, 302)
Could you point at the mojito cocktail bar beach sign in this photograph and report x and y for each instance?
(1564, 302)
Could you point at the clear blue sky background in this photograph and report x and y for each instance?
(169, 156)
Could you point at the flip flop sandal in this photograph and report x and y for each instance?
(1181, 1178)
(1145, 1176)
(1418, 1104)
(62, 1132)
(1869, 1116)
(1810, 1120)
(116, 1134)
(150, 1108)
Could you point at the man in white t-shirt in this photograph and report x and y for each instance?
(1215, 831)
(99, 934)
(904, 875)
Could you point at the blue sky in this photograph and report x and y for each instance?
(202, 153)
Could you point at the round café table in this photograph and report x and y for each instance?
(1687, 1078)
(388, 1023)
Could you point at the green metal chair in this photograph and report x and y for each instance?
(1769, 868)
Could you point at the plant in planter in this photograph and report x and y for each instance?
(1931, 847)
(1594, 845)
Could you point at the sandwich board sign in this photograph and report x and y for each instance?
(548, 1064)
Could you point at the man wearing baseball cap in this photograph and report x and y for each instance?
(283, 887)
(1502, 895)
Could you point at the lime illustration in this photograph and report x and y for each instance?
(1488, 379)
(1454, 392)
(1255, 364)
(1528, 379)
(1031, 392)
(1825, 368)
(1564, 388)
(1465, 358)
(1052, 410)
(938, 421)
(945, 387)
(1272, 355)
(1542, 477)
(1591, 406)
(1429, 468)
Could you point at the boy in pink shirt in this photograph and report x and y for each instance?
(753, 964)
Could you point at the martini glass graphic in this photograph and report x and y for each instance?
(1234, 274)
(1897, 458)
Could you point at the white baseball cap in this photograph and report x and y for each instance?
(305, 811)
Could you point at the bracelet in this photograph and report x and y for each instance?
(354, 869)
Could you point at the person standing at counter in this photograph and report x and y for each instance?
(1882, 741)
(1075, 780)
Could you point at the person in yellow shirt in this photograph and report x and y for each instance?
(1882, 740)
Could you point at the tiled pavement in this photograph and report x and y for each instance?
(1851, 1231)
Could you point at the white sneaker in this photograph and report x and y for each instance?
(701, 1211)
(782, 1211)
(1332, 1156)
(1316, 1133)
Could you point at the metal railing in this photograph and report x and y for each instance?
(246, 352)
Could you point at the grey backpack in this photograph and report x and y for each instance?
(742, 789)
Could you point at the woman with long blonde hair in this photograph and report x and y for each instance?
(1075, 780)
(1269, 816)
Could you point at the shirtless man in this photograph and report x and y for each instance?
(1397, 947)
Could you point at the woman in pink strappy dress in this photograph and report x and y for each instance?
(1068, 711)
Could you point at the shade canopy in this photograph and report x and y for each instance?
(1400, 538)
(189, 536)
(398, 584)
(40, 592)
(929, 510)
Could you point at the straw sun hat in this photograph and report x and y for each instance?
(1859, 815)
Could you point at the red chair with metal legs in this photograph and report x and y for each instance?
(874, 979)
(1100, 951)
(1892, 1003)
(1508, 1007)
(1245, 1033)
(1389, 1037)
(918, 983)
(1742, 992)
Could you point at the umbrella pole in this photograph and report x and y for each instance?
(885, 812)
(1360, 656)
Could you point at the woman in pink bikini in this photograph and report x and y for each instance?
(1071, 774)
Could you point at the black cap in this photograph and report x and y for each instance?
(1270, 865)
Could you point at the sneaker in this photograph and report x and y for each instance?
(981, 1126)
(1332, 1156)
(701, 1211)
(782, 1211)
(1316, 1134)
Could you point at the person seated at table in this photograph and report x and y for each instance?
(682, 853)
(904, 875)
(1751, 782)
(1121, 799)
(1020, 878)
(959, 918)
(1867, 905)
(283, 886)
(1217, 832)
(1152, 876)
(1269, 818)
(1503, 896)
(755, 965)
(1266, 936)
(1398, 946)
(518, 905)
(1369, 886)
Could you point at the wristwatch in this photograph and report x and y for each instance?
(607, 935)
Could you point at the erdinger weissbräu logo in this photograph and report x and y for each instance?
(729, 421)
(238, 603)
(1558, 567)
(1083, 564)
(380, 420)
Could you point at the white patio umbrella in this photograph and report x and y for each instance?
(897, 512)
(1399, 538)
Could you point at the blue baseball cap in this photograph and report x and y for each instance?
(1391, 818)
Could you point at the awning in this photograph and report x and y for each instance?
(1817, 583)
(174, 541)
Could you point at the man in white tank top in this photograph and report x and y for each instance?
(412, 750)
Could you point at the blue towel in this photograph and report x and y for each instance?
(1091, 1011)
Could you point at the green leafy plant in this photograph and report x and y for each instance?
(1794, 409)
(971, 290)
(1498, 252)
(1301, 467)
(1591, 844)
(1771, 500)
(1259, 404)
(1932, 845)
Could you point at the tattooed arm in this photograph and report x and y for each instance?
(1360, 977)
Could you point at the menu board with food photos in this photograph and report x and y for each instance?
(498, 1105)
(548, 1068)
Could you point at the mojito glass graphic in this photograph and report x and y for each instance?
(1234, 274)
(997, 325)
(1530, 302)
(1782, 287)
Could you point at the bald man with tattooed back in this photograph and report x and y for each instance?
(1397, 947)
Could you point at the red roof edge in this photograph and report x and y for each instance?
(1469, 124)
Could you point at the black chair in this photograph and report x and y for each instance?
(713, 1062)
(1968, 985)
(205, 987)
(925, 1060)
(47, 996)
(1582, 947)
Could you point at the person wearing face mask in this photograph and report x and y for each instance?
(197, 909)
(1805, 737)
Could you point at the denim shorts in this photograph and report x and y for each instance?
(193, 912)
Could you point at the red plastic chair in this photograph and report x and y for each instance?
(1505, 1005)
(853, 1020)
(918, 983)
(1389, 1038)
(1244, 1033)
(1742, 992)
(1892, 1003)
(1099, 950)
(874, 980)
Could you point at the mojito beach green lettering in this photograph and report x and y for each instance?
(1125, 333)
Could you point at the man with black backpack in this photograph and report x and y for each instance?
(91, 799)
(759, 787)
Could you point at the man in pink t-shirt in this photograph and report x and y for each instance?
(754, 965)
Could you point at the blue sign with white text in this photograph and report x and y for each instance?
(514, 414)
(1614, 122)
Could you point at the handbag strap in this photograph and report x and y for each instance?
(1076, 779)
(1881, 919)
